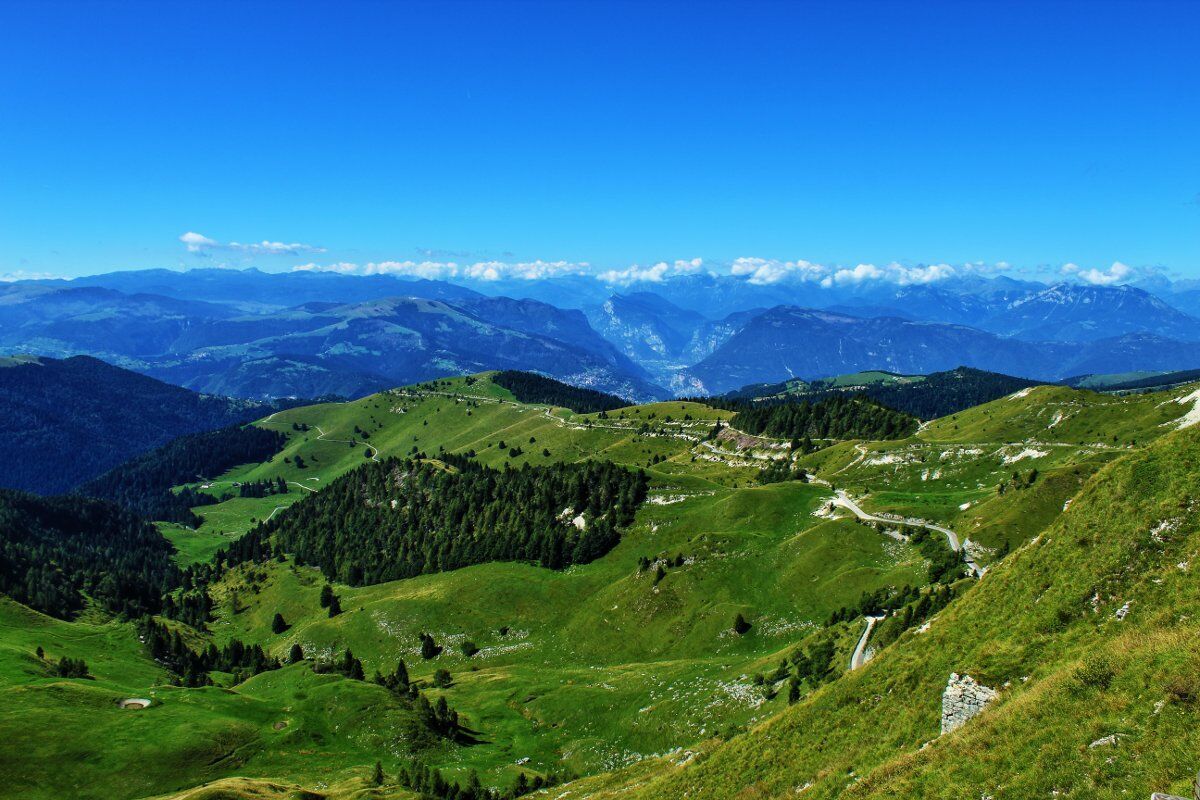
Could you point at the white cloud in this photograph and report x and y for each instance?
(201, 245)
(764, 271)
(508, 270)
(1117, 273)
(445, 270)
(656, 273)
(23, 275)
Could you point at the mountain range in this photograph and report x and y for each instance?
(261, 335)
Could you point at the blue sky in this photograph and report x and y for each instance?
(611, 134)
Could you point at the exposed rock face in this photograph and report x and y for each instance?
(963, 699)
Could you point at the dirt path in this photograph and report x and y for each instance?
(843, 500)
(321, 435)
(860, 650)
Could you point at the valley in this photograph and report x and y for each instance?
(621, 669)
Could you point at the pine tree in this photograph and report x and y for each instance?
(296, 654)
(377, 777)
(740, 625)
(277, 624)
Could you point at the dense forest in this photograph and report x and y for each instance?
(56, 551)
(67, 421)
(835, 417)
(938, 394)
(143, 485)
(396, 519)
(529, 387)
(944, 393)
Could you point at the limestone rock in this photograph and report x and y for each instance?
(963, 699)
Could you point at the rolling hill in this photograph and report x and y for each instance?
(708, 651)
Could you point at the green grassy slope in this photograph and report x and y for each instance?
(598, 668)
(1089, 632)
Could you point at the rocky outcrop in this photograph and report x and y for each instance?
(963, 699)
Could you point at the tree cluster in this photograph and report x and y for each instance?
(57, 551)
(191, 667)
(835, 417)
(782, 470)
(399, 518)
(143, 485)
(529, 387)
(429, 783)
(263, 488)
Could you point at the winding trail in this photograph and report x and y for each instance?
(860, 650)
(374, 450)
(843, 500)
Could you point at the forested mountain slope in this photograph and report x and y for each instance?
(923, 396)
(66, 421)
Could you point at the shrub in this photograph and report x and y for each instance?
(1096, 672)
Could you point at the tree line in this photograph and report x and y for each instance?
(835, 417)
(529, 387)
(399, 518)
(143, 484)
(57, 551)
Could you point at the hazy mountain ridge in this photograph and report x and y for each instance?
(258, 334)
(809, 343)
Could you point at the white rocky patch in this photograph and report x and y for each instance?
(1022, 393)
(1192, 416)
(962, 700)
(884, 459)
(1028, 452)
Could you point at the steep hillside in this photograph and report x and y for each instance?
(646, 327)
(1086, 634)
(66, 421)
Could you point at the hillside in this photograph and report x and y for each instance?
(1097, 681)
(67, 421)
(923, 396)
(724, 610)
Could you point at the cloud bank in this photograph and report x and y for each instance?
(752, 269)
(203, 245)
